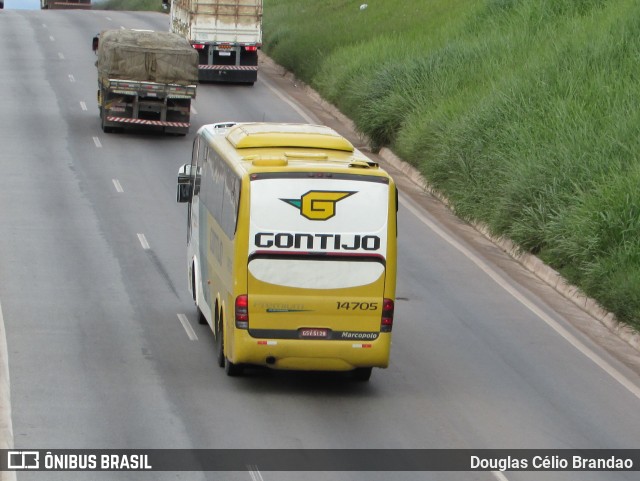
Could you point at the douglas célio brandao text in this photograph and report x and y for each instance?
(551, 463)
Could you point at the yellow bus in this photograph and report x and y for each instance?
(291, 247)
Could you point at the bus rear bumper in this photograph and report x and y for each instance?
(311, 355)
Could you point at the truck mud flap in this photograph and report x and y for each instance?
(228, 73)
(180, 128)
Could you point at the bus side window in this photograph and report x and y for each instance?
(199, 150)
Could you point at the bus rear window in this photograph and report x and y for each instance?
(317, 271)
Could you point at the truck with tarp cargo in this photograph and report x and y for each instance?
(145, 79)
(226, 34)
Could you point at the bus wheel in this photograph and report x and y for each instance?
(232, 369)
(219, 340)
(362, 374)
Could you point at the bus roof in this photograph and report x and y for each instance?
(254, 146)
(244, 136)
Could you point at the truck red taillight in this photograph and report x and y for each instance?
(242, 311)
(250, 48)
(387, 315)
(198, 46)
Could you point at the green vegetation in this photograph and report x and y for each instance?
(525, 113)
(132, 5)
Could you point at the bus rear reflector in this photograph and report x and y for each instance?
(242, 311)
(387, 315)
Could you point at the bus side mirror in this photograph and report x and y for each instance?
(186, 185)
(165, 4)
(94, 43)
(185, 182)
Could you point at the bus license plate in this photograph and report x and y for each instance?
(313, 333)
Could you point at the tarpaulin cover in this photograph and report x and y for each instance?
(147, 56)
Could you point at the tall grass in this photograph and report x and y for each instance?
(526, 113)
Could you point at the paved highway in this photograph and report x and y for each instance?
(105, 351)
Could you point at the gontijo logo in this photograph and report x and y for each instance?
(318, 204)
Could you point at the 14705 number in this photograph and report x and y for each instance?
(357, 306)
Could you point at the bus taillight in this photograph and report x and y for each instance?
(387, 315)
(242, 311)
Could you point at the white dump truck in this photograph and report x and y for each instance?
(226, 34)
(145, 79)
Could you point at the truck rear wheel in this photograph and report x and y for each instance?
(105, 129)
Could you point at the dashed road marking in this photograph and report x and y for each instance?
(83, 105)
(187, 327)
(116, 184)
(96, 141)
(144, 242)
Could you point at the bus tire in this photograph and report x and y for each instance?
(219, 339)
(362, 374)
(232, 369)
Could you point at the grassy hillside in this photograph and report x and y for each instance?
(526, 113)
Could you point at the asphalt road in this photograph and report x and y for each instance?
(93, 286)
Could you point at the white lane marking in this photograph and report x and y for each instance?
(44, 25)
(187, 327)
(116, 184)
(6, 435)
(122, 27)
(143, 241)
(96, 141)
(193, 110)
(286, 99)
(605, 366)
(52, 38)
(108, 18)
(499, 476)
(83, 105)
(71, 78)
(61, 55)
(255, 474)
